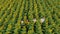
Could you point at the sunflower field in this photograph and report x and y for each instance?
(29, 16)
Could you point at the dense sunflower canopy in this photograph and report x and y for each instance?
(29, 16)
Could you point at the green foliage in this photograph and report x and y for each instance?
(13, 12)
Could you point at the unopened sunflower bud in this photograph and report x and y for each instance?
(34, 20)
(21, 21)
(42, 20)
